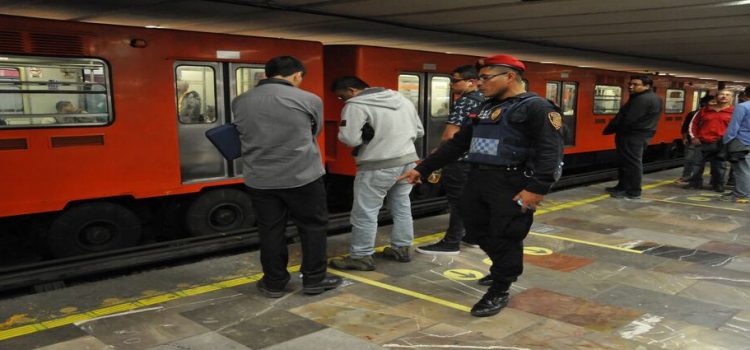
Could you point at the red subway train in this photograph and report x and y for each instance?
(102, 127)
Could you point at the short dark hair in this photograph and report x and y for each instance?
(347, 82)
(467, 72)
(747, 90)
(284, 66)
(705, 100)
(645, 79)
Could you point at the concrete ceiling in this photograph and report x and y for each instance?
(698, 38)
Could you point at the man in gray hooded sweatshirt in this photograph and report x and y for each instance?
(382, 156)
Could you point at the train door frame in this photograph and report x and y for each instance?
(433, 125)
(195, 150)
(570, 121)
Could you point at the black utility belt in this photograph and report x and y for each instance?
(513, 167)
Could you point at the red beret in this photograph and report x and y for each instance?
(502, 60)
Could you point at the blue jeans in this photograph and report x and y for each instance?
(370, 188)
(742, 178)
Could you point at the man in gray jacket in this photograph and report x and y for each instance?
(283, 170)
(382, 157)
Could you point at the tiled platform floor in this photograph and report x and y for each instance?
(669, 271)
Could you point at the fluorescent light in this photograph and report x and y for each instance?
(153, 26)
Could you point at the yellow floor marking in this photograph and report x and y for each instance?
(694, 204)
(586, 242)
(401, 290)
(157, 299)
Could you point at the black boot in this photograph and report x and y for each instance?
(490, 304)
(328, 283)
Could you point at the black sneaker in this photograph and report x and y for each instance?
(328, 283)
(400, 254)
(270, 293)
(623, 194)
(469, 243)
(612, 189)
(486, 280)
(440, 248)
(490, 304)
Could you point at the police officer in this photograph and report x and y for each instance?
(515, 146)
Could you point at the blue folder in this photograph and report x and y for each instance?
(226, 138)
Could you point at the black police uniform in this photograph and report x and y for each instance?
(513, 144)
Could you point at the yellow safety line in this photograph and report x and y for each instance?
(586, 242)
(69, 319)
(401, 290)
(693, 204)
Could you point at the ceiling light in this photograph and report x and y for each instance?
(153, 26)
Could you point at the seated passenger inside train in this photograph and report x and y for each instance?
(188, 104)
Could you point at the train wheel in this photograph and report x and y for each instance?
(219, 210)
(92, 228)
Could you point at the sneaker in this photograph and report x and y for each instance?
(486, 280)
(328, 283)
(490, 304)
(612, 189)
(469, 243)
(269, 293)
(400, 254)
(440, 248)
(365, 263)
(729, 197)
(623, 194)
(742, 200)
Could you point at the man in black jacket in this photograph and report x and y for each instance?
(634, 126)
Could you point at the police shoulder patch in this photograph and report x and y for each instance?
(555, 119)
(496, 114)
(343, 122)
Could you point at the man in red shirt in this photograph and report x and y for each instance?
(706, 130)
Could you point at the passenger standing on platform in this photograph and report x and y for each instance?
(389, 152)
(690, 149)
(633, 126)
(707, 129)
(464, 83)
(739, 128)
(283, 170)
(515, 147)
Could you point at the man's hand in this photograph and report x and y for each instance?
(412, 176)
(695, 141)
(528, 200)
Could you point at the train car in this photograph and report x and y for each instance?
(589, 99)
(101, 129)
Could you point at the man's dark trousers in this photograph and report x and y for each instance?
(454, 179)
(494, 220)
(306, 205)
(629, 150)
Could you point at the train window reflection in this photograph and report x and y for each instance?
(607, 99)
(195, 89)
(553, 92)
(697, 96)
(569, 99)
(49, 91)
(247, 78)
(408, 85)
(440, 97)
(675, 102)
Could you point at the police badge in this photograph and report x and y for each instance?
(555, 119)
(496, 114)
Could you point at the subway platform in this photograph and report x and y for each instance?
(668, 271)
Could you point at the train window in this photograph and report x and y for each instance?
(196, 95)
(553, 91)
(440, 96)
(50, 91)
(247, 78)
(408, 85)
(569, 99)
(607, 99)
(697, 96)
(675, 102)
